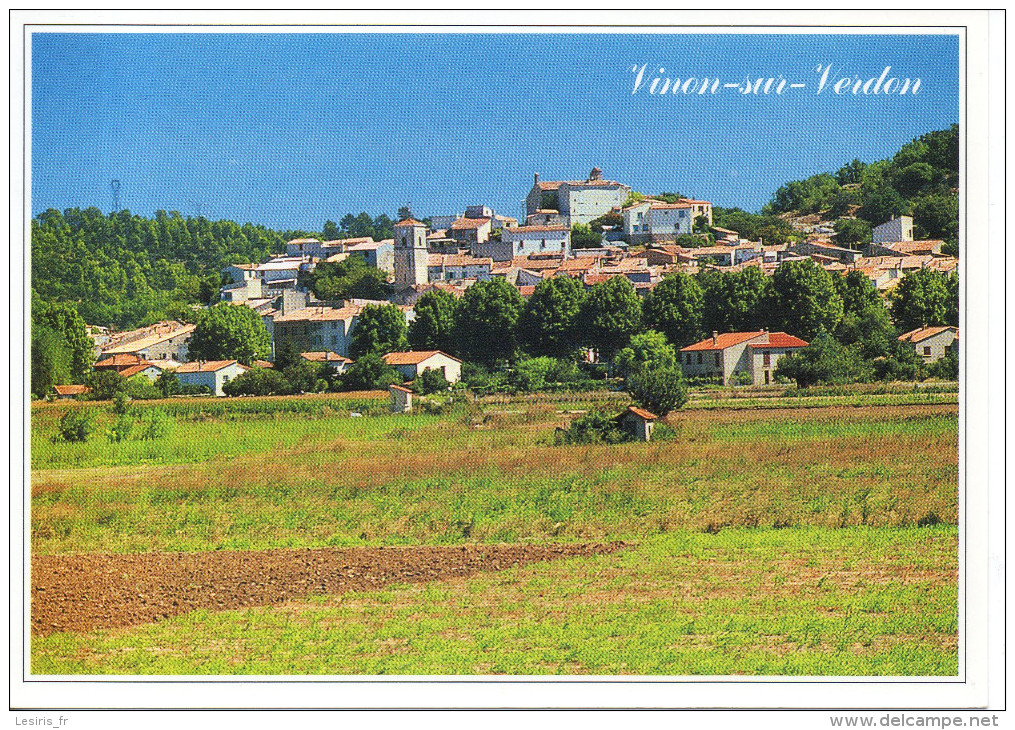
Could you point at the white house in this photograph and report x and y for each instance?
(651, 220)
(896, 229)
(412, 364)
(579, 201)
(528, 240)
(316, 328)
(457, 267)
(755, 354)
(932, 343)
(211, 373)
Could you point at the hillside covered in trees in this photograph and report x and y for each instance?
(921, 180)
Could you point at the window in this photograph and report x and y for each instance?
(926, 351)
(718, 359)
(699, 358)
(766, 359)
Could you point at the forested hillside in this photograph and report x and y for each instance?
(920, 180)
(122, 270)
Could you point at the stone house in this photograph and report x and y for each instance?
(211, 373)
(400, 398)
(577, 201)
(723, 357)
(412, 364)
(638, 422)
(932, 343)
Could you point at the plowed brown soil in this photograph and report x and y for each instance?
(101, 591)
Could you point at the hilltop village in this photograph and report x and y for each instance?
(642, 239)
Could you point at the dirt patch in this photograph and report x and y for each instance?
(103, 591)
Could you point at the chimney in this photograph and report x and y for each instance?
(715, 338)
(536, 180)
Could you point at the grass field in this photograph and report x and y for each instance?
(767, 540)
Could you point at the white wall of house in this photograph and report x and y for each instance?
(584, 203)
(526, 240)
(897, 229)
(214, 380)
(173, 348)
(936, 346)
(452, 368)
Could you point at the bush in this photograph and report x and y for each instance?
(825, 361)
(432, 380)
(595, 427)
(659, 391)
(76, 425)
(139, 387)
(257, 381)
(105, 384)
(155, 424)
(370, 372)
(121, 429)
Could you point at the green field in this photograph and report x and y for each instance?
(790, 540)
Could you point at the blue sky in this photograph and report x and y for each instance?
(289, 130)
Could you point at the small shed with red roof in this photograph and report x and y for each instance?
(401, 399)
(638, 422)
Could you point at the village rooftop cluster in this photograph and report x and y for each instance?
(454, 252)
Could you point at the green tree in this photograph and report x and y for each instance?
(168, 383)
(582, 236)
(257, 381)
(871, 329)
(105, 384)
(548, 321)
(647, 351)
(658, 390)
(380, 329)
(432, 380)
(229, 332)
(331, 231)
(64, 321)
(852, 232)
(851, 173)
(613, 219)
(734, 301)
(857, 292)
(351, 278)
(434, 325)
(921, 299)
(825, 361)
(803, 299)
(139, 387)
(676, 307)
(370, 372)
(305, 377)
(610, 316)
(286, 355)
(50, 360)
(487, 319)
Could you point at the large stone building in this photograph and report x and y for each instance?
(527, 240)
(160, 341)
(754, 354)
(896, 229)
(410, 254)
(579, 201)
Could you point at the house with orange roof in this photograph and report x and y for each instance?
(527, 240)
(160, 341)
(66, 392)
(576, 201)
(337, 363)
(638, 422)
(722, 356)
(470, 231)
(456, 267)
(412, 364)
(932, 343)
(212, 374)
(316, 328)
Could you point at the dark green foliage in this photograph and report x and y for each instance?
(61, 349)
(168, 384)
(582, 236)
(229, 332)
(594, 427)
(947, 368)
(857, 292)
(304, 377)
(852, 232)
(805, 196)
(122, 270)
(286, 355)
(825, 361)
(257, 381)
(850, 173)
(434, 325)
(530, 375)
(802, 300)
(351, 278)
(76, 425)
(659, 390)
(548, 200)
(50, 361)
(370, 372)
(432, 380)
(482, 379)
(610, 316)
(924, 298)
(548, 321)
(487, 319)
(363, 225)
(380, 329)
(676, 307)
(900, 362)
(121, 429)
(695, 240)
(734, 301)
(105, 384)
(871, 329)
(139, 387)
(646, 351)
(612, 219)
(330, 231)
(769, 228)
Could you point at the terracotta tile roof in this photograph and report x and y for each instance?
(207, 366)
(728, 339)
(399, 388)
(527, 290)
(135, 369)
(641, 413)
(535, 264)
(468, 224)
(71, 389)
(121, 360)
(301, 240)
(414, 357)
(324, 356)
(922, 333)
(780, 339)
(457, 259)
(264, 364)
(520, 231)
(320, 314)
(156, 333)
(911, 247)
